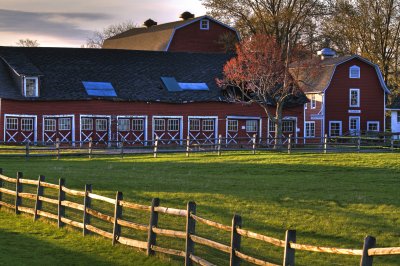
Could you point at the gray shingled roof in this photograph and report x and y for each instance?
(135, 75)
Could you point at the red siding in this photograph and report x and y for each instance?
(371, 96)
(98, 107)
(192, 39)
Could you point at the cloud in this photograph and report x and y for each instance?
(55, 24)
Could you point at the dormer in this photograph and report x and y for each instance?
(31, 86)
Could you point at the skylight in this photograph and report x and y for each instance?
(172, 85)
(103, 89)
(193, 86)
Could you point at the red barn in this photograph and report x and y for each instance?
(201, 34)
(347, 96)
(105, 94)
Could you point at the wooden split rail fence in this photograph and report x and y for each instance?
(188, 234)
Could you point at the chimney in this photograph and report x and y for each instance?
(186, 15)
(149, 23)
(326, 53)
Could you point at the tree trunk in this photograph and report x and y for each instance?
(278, 126)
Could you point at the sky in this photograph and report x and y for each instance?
(68, 23)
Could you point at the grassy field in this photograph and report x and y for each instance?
(331, 200)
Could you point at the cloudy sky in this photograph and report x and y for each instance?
(69, 22)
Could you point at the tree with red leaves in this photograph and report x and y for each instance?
(259, 73)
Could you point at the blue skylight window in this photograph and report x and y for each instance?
(172, 85)
(193, 86)
(102, 89)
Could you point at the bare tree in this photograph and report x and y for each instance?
(28, 43)
(98, 37)
(260, 74)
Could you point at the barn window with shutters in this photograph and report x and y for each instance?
(251, 126)
(50, 125)
(208, 125)
(194, 125)
(159, 124)
(26, 124)
(87, 124)
(64, 124)
(354, 72)
(233, 125)
(101, 124)
(173, 124)
(12, 123)
(137, 124)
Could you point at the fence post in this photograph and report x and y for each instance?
(359, 143)
(117, 215)
(18, 189)
(90, 148)
(289, 147)
(27, 150)
(369, 242)
(325, 143)
(187, 145)
(254, 143)
(151, 236)
(58, 148)
(86, 204)
(155, 147)
(39, 193)
(1, 185)
(190, 230)
(219, 144)
(61, 197)
(235, 240)
(288, 259)
(392, 145)
(122, 148)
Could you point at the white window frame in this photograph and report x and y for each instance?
(138, 124)
(233, 125)
(255, 125)
(173, 124)
(271, 126)
(357, 68)
(340, 128)
(313, 101)
(206, 26)
(27, 124)
(287, 122)
(8, 123)
(312, 135)
(159, 126)
(126, 123)
(36, 79)
(373, 122)
(50, 125)
(358, 97)
(194, 124)
(64, 123)
(208, 125)
(85, 125)
(102, 122)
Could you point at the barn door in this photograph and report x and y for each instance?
(20, 128)
(96, 128)
(57, 127)
(202, 130)
(132, 130)
(167, 130)
(240, 131)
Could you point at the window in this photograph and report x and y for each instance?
(101, 124)
(208, 125)
(354, 97)
(124, 125)
(233, 125)
(310, 129)
(194, 125)
(49, 125)
(271, 126)
(354, 72)
(27, 124)
(87, 124)
(173, 124)
(12, 123)
(204, 24)
(137, 124)
(159, 124)
(31, 87)
(398, 116)
(64, 124)
(313, 102)
(251, 125)
(373, 126)
(335, 128)
(287, 126)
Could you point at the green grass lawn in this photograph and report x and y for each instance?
(331, 200)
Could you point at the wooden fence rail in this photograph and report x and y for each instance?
(150, 246)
